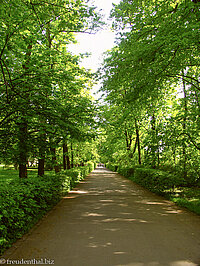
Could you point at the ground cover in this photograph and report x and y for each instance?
(188, 197)
(23, 201)
(164, 183)
(9, 173)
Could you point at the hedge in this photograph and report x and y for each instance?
(128, 171)
(155, 180)
(24, 201)
(111, 166)
(77, 174)
(125, 171)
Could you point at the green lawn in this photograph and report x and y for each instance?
(188, 198)
(8, 173)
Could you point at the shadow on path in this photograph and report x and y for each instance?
(108, 220)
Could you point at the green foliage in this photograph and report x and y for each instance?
(157, 180)
(187, 197)
(44, 93)
(192, 205)
(150, 83)
(128, 171)
(153, 179)
(6, 175)
(165, 183)
(112, 167)
(24, 201)
(77, 174)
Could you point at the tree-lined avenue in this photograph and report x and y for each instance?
(108, 220)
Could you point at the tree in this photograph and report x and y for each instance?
(156, 54)
(34, 67)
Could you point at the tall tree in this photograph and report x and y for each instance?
(34, 67)
(156, 54)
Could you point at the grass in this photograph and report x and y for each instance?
(188, 198)
(22, 204)
(182, 196)
(8, 173)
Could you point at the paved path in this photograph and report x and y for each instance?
(108, 220)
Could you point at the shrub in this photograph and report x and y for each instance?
(128, 171)
(164, 183)
(192, 205)
(111, 166)
(24, 201)
(156, 180)
(77, 174)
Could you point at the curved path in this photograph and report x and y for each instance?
(108, 220)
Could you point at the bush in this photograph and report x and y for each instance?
(112, 167)
(128, 171)
(192, 205)
(156, 180)
(166, 183)
(77, 174)
(24, 201)
(123, 170)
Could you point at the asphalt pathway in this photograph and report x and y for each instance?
(108, 220)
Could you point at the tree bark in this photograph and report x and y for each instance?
(128, 140)
(54, 161)
(72, 156)
(66, 160)
(64, 156)
(41, 167)
(138, 142)
(184, 128)
(153, 148)
(23, 128)
(41, 161)
(23, 160)
(42, 149)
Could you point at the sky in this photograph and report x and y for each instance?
(97, 43)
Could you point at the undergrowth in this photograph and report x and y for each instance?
(163, 183)
(24, 201)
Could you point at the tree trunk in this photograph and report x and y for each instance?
(158, 148)
(128, 141)
(23, 150)
(23, 128)
(64, 156)
(138, 142)
(72, 156)
(54, 161)
(153, 147)
(41, 161)
(41, 167)
(42, 149)
(66, 160)
(184, 128)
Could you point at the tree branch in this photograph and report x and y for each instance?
(184, 78)
(197, 145)
(5, 82)
(6, 117)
